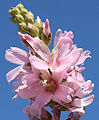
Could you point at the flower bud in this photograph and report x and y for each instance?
(46, 39)
(29, 18)
(20, 6)
(24, 11)
(22, 27)
(39, 24)
(33, 30)
(14, 11)
(46, 28)
(13, 19)
(19, 18)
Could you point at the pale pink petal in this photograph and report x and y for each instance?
(29, 79)
(62, 94)
(60, 35)
(61, 67)
(16, 55)
(81, 109)
(57, 36)
(39, 47)
(26, 91)
(58, 76)
(72, 58)
(82, 102)
(13, 73)
(16, 84)
(86, 101)
(83, 57)
(38, 63)
(41, 100)
(62, 48)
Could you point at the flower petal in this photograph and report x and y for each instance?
(39, 47)
(31, 91)
(38, 63)
(13, 73)
(72, 58)
(83, 57)
(41, 100)
(60, 35)
(62, 94)
(29, 79)
(16, 55)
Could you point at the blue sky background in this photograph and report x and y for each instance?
(79, 16)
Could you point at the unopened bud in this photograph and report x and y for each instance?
(39, 24)
(46, 39)
(20, 6)
(46, 28)
(24, 11)
(19, 18)
(38, 20)
(33, 30)
(13, 19)
(14, 11)
(22, 27)
(29, 18)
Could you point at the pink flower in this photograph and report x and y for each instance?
(41, 86)
(17, 56)
(64, 55)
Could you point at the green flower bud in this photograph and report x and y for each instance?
(22, 27)
(19, 18)
(13, 19)
(24, 11)
(14, 11)
(46, 39)
(29, 18)
(20, 6)
(33, 30)
(39, 26)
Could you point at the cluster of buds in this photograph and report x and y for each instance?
(26, 24)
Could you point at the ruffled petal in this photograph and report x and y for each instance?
(31, 91)
(41, 100)
(58, 76)
(82, 102)
(29, 79)
(38, 63)
(72, 58)
(60, 35)
(16, 55)
(83, 57)
(13, 73)
(62, 94)
(39, 47)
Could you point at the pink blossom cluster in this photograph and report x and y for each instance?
(44, 76)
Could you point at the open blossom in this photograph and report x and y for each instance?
(64, 55)
(50, 76)
(42, 86)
